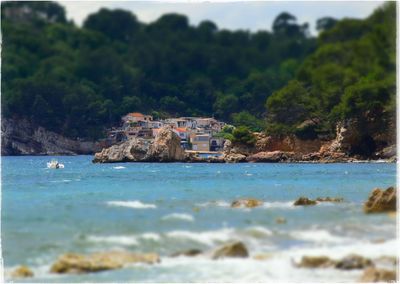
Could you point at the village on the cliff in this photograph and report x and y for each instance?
(196, 133)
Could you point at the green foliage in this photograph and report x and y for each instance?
(244, 118)
(226, 132)
(243, 135)
(350, 75)
(88, 77)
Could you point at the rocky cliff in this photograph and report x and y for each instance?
(165, 147)
(351, 143)
(21, 137)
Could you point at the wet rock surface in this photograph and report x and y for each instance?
(372, 275)
(315, 262)
(190, 252)
(381, 201)
(304, 201)
(353, 261)
(234, 249)
(22, 272)
(247, 202)
(78, 263)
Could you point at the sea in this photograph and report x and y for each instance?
(167, 208)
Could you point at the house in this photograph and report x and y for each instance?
(200, 142)
(136, 117)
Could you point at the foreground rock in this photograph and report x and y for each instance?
(190, 252)
(315, 262)
(166, 147)
(304, 201)
(235, 249)
(372, 275)
(353, 261)
(77, 263)
(381, 201)
(22, 272)
(248, 203)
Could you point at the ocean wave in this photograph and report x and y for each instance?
(119, 167)
(136, 204)
(319, 236)
(205, 237)
(122, 240)
(218, 203)
(178, 216)
(279, 204)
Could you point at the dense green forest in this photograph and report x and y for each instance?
(79, 80)
(351, 75)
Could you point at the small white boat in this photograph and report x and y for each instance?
(54, 164)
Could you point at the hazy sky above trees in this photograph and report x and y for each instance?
(231, 15)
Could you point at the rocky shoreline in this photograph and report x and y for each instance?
(267, 149)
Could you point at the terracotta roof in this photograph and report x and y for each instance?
(181, 129)
(135, 114)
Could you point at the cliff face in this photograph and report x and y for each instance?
(352, 142)
(21, 137)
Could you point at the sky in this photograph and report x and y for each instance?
(245, 15)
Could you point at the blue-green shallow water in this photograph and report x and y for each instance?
(165, 208)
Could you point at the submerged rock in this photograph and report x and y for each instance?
(22, 272)
(248, 203)
(354, 261)
(235, 249)
(190, 252)
(315, 262)
(381, 201)
(165, 148)
(373, 274)
(304, 201)
(77, 263)
(280, 220)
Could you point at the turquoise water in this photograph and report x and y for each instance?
(165, 208)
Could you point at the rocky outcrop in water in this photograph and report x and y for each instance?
(78, 263)
(247, 203)
(315, 262)
(22, 272)
(165, 147)
(21, 137)
(353, 261)
(373, 275)
(381, 201)
(235, 249)
(304, 201)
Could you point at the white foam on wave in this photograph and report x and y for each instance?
(218, 203)
(319, 236)
(136, 204)
(121, 240)
(205, 237)
(178, 216)
(119, 167)
(363, 248)
(279, 204)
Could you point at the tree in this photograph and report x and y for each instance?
(325, 24)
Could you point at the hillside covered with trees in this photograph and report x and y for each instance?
(77, 81)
